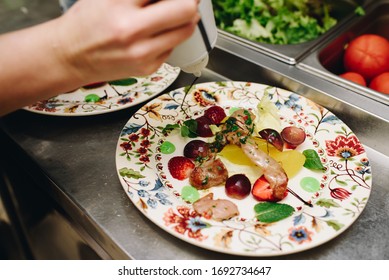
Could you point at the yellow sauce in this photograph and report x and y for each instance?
(291, 160)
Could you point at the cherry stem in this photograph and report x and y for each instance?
(299, 198)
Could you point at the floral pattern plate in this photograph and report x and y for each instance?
(106, 97)
(338, 198)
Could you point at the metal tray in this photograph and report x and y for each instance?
(327, 59)
(291, 54)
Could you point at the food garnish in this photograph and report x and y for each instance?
(312, 160)
(230, 136)
(267, 115)
(270, 212)
(190, 194)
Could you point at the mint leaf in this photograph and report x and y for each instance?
(270, 212)
(169, 128)
(184, 131)
(189, 129)
(359, 11)
(312, 160)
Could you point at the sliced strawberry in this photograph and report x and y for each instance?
(215, 114)
(180, 167)
(262, 190)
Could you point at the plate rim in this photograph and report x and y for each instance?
(100, 112)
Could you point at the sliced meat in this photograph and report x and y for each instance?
(238, 130)
(209, 174)
(239, 126)
(272, 170)
(219, 209)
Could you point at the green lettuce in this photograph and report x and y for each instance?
(275, 21)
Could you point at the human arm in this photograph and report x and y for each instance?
(94, 41)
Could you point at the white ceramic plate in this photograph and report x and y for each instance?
(339, 197)
(110, 97)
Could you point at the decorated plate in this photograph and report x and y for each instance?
(105, 97)
(324, 203)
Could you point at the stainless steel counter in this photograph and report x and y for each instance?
(72, 159)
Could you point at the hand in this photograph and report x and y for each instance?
(112, 39)
(96, 40)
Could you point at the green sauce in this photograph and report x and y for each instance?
(167, 148)
(310, 184)
(92, 98)
(190, 194)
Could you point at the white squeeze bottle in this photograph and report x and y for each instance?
(192, 55)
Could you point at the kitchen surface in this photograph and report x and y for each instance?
(61, 197)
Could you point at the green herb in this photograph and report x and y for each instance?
(359, 11)
(169, 128)
(312, 160)
(189, 128)
(243, 140)
(270, 212)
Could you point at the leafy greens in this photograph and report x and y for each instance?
(274, 21)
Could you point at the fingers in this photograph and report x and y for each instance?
(120, 37)
(165, 15)
(168, 40)
(163, 35)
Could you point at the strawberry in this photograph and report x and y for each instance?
(262, 190)
(180, 167)
(215, 114)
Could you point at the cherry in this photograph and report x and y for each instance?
(273, 137)
(203, 129)
(293, 136)
(215, 113)
(238, 186)
(195, 149)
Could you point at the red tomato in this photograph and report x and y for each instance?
(354, 77)
(381, 83)
(367, 55)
